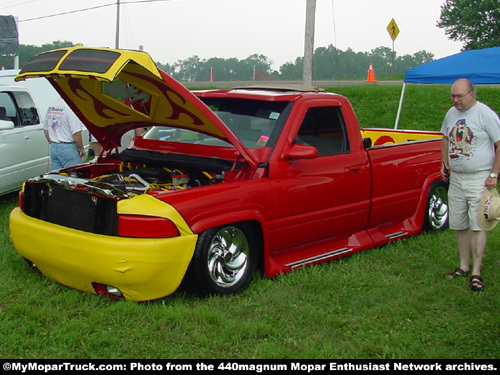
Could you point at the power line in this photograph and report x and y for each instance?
(91, 8)
(65, 13)
(15, 3)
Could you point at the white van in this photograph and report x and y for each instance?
(24, 151)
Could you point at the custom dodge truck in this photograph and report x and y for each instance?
(223, 182)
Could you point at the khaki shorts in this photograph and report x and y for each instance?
(464, 196)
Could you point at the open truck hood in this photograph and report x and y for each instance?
(113, 91)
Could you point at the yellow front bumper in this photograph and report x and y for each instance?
(142, 269)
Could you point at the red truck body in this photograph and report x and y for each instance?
(318, 209)
(290, 183)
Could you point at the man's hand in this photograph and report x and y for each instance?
(491, 182)
(445, 171)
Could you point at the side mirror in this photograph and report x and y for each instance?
(6, 125)
(298, 151)
(367, 143)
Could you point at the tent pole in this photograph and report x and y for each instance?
(400, 105)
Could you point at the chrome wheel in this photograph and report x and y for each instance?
(224, 260)
(227, 256)
(437, 208)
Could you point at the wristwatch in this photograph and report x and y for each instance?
(493, 175)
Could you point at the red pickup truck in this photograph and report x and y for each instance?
(223, 183)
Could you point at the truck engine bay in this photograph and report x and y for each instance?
(138, 172)
(84, 197)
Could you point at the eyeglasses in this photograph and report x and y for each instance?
(459, 97)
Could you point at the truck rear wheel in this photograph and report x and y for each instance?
(224, 261)
(437, 210)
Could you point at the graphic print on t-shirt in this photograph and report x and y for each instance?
(55, 114)
(55, 124)
(462, 140)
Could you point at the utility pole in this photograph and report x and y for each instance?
(307, 73)
(117, 36)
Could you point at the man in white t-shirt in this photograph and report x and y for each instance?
(471, 162)
(63, 130)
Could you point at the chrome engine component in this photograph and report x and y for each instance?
(133, 181)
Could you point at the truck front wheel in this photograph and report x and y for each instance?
(437, 211)
(224, 260)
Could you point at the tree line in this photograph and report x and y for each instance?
(329, 63)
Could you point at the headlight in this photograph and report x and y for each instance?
(146, 227)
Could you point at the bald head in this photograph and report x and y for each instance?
(462, 94)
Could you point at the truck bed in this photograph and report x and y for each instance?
(381, 136)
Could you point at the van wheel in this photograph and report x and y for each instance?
(437, 210)
(224, 261)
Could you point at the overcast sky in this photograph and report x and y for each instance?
(171, 30)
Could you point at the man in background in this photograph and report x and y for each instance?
(63, 131)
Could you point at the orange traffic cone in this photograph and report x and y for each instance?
(371, 74)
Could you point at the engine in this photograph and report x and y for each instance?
(79, 201)
(145, 179)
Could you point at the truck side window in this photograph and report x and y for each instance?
(8, 110)
(324, 128)
(19, 108)
(27, 110)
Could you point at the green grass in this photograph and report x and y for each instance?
(424, 106)
(389, 302)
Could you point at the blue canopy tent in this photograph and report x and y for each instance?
(481, 66)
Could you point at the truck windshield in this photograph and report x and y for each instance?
(256, 123)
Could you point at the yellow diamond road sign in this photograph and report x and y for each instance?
(393, 29)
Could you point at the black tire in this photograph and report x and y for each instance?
(224, 261)
(437, 208)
